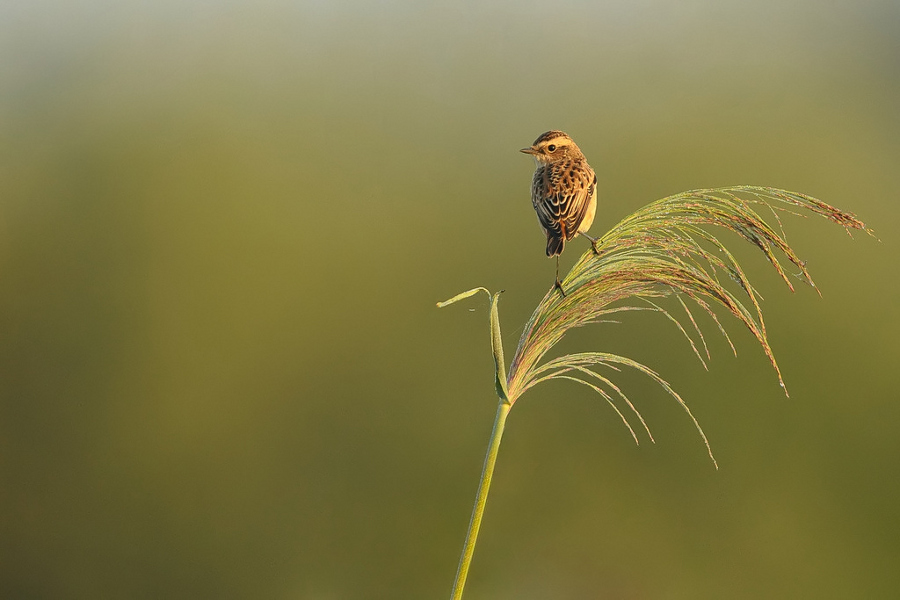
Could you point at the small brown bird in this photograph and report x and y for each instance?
(563, 192)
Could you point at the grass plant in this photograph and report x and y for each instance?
(667, 249)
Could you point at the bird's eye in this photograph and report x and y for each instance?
(552, 147)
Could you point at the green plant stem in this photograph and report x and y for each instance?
(478, 511)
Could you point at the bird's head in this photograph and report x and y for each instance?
(553, 146)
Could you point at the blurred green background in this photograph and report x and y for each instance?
(223, 229)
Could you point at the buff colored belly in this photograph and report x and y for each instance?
(589, 215)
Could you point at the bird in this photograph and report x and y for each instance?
(563, 192)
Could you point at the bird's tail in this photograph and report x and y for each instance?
(555, 245)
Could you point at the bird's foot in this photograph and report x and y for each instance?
(559, 286)
(594, 248)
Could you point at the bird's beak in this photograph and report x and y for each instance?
(529, 150)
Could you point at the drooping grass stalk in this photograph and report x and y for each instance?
(662, 250)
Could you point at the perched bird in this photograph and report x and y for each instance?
(563, 192)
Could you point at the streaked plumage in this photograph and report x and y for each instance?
(563, 191)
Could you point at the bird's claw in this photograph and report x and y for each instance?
(559, 286)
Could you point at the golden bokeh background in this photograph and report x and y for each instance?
(223, 230)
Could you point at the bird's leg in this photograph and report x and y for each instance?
(593, 243)
(558, 285)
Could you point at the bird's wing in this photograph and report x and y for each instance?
(561, 194)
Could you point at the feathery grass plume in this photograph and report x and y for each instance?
(659, 251)
(664, 249)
